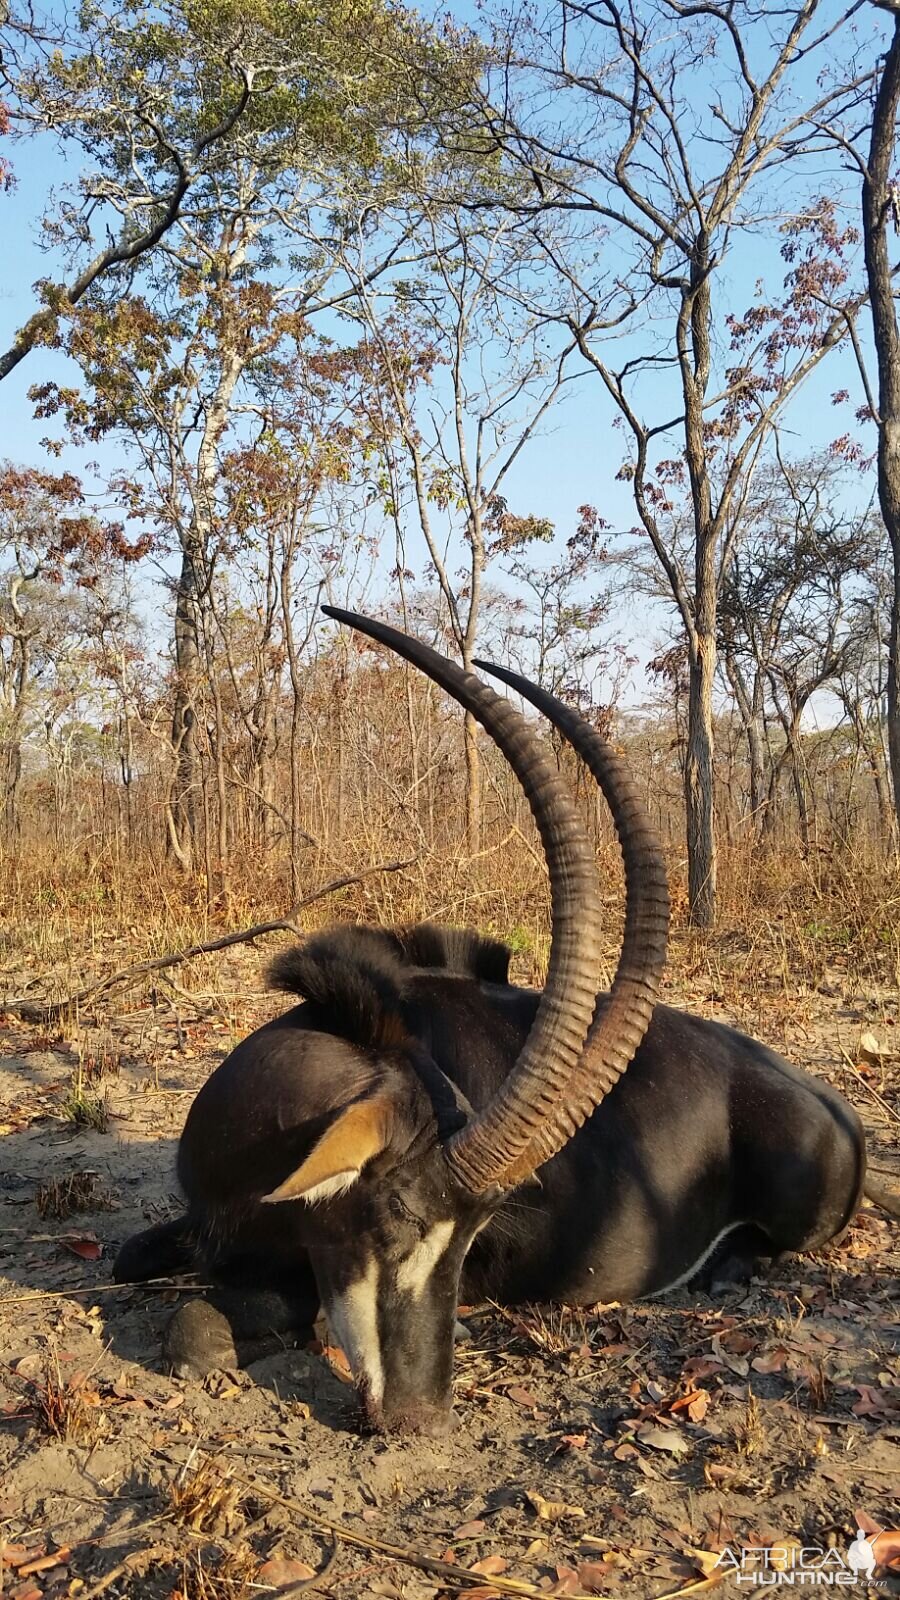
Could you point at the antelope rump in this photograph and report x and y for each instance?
(421, 1131)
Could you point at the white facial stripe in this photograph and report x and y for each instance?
(414, 1272)
(353, 1319)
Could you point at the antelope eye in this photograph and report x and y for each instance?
(398, 1208)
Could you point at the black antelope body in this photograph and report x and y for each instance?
(421, 1131)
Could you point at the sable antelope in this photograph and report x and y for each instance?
(421, 1129)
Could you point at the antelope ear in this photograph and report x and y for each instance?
(361, 1131)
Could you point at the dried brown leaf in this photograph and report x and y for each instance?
(491, 1566)
(280, 1571)
(551, 1510)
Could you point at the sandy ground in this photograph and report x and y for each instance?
(610, 1452)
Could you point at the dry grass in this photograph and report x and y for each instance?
(749, 1431)
(217, 1575)
(67, 1409)
(204, 1497)
(803, 920)
(740, 1465)
(83, 907)
(60, 1198)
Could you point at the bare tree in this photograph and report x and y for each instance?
(50, 538)
(466, 384)
(660, 132)
(789, 614)
(881, 209)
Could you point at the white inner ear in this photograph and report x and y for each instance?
(338, 1183)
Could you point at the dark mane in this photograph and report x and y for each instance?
(460, 951)
(354, 975)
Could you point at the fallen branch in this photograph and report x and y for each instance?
(93, 1289)
(50, 1011)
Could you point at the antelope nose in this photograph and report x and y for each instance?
(412, 1417)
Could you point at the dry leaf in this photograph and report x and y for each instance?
(43, 1563)
(784, 1555)
(18, 1555)
(85, 1246)
(696, 1404)
(699, 1405)
(668, 1439)
(770, 1360)
(869, 1049)
(626, 1452)
(594, 1575)
(491, 1566)
(280, 1571)
(467, 1530)
(706, 1561)
(736, 1363)
(338, 1362)
(874, 1402)
(522, 1397)
(551, 1510)
(566, 1581)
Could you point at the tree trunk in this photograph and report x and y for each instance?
(692, 339)
(184, 736)
(191, 596)
(750, 721)
(294, 759)
(798, 777)
(473, 785)
(877, 206)
(699, 795)
(10, 774)
(893, 665)
(470, 726)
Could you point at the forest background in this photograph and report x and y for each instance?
(564, 335)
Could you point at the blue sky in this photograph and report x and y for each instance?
(572, 462)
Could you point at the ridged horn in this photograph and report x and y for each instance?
(622, 1019)
(484, 1152)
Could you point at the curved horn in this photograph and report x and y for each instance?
(623, 1019)
(483, 1152)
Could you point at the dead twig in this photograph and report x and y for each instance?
(889, 1112)
(102, 1288)
(50, 1011)
(459, 1577)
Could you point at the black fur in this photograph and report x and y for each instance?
(460, 951)
(354, 975)
(360, 976)
(711, 1146)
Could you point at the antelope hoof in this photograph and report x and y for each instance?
(198, 1340)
